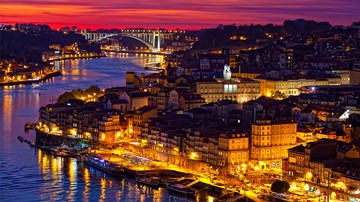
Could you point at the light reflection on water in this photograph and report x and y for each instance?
(28, 174)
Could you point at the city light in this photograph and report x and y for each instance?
(234, 110)
(306, 187)
(193, 155)
(309, 176)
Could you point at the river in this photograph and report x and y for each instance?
(28, 174)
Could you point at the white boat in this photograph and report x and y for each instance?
(101, 164)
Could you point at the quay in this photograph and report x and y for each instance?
(30, 81)
(74, 57)
(137, 52)
(135, 166)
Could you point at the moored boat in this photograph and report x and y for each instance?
(101, 164)
(32, 143)
(46, 148)
(63, 153)
(182, 190)
(29, 126)
(153, 182)
(21, 138)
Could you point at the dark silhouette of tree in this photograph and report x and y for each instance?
(65, 97)
(356, 23)
(280, 186)
(29, 46)
(93, 89)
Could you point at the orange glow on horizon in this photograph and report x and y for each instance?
(184, 14)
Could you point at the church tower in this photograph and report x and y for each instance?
(227, 72)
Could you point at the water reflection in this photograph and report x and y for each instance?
(6, 115)
(85, 195)
(103, 189)
(39, 175)
(72, 178)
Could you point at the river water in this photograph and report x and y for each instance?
(28, 174)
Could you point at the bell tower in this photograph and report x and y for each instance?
(227, 72)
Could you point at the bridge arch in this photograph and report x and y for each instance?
(154, 49)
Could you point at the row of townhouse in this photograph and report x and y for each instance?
(331, 163)
(83, 121)
(219, 143)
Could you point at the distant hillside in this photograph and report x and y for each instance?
(220, 37)
(27, 47)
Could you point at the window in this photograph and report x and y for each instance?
(230, 88)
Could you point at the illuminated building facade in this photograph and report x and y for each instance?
(234, 148)
(140, 116)
(287, 86)
(270, 141)
(236, 89)
(109, 128)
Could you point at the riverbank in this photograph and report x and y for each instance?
(76, 57)
(42, 175)
(30, 81)
(135, 165)
(137, 52)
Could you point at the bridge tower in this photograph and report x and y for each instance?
(156, 35)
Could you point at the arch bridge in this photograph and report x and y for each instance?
(152, 40)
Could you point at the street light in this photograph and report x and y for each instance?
(243, 167)
(193, 155)
(306, 187)
(308, 176)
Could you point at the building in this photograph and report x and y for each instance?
(109, 128)
(330, 163)
(133, 101)
(132, 80)
(141, 116)
(268, 87)
(355, 75)
(237, 89)
(270, 141)
(304, 134)
(189, 101)
(222, 109)
(234, 149)
(212, 61)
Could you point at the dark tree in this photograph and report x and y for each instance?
(93, 89)
(280, 186)
(65, 97)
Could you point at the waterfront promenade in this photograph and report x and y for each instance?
(141, 165)
(33, 80)
(74, 56)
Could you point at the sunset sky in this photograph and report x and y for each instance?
(185, 14)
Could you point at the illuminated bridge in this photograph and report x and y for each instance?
(153, 40)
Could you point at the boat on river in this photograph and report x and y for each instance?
(154, 182)
(181, 189)
(98, 162)
(20, 138)
(63, 153)
(46, 148)
(29, 126)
